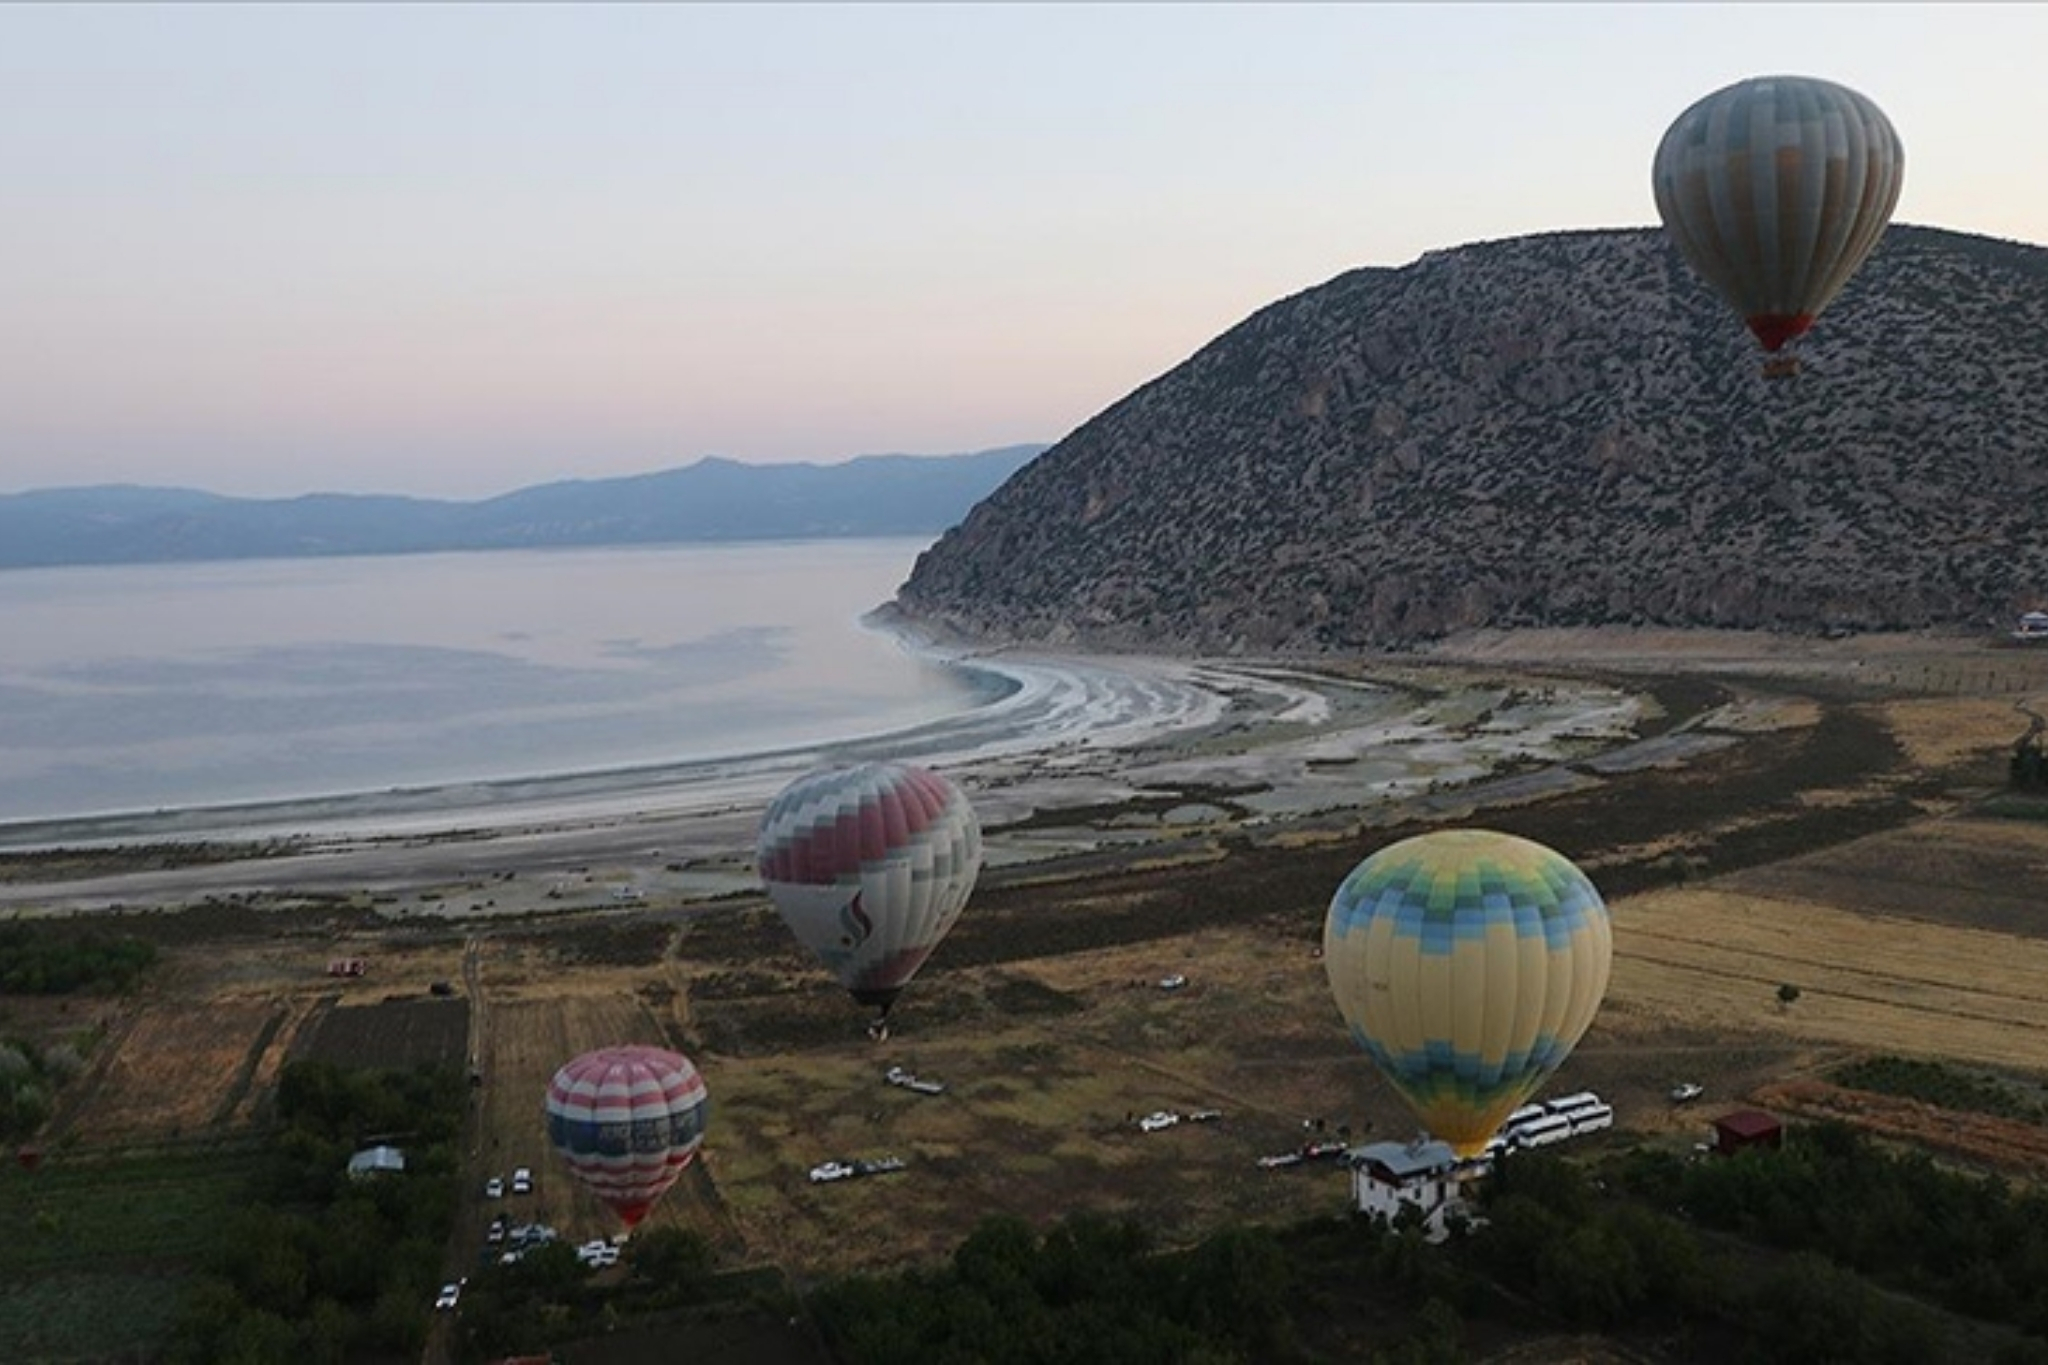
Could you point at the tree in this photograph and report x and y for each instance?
(1787, 993)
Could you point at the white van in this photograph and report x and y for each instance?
(1523, 1115)
(1571, 1104)
(1541, 1132)
(1592, 1120)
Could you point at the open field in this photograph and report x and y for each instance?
(540, 1015)
(180, 1067)
(422, 1031)
(1830, 836)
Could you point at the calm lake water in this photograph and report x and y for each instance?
(135, 688)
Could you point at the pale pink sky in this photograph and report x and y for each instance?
(454, 250)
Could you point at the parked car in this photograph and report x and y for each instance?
(598, 1254)
(494, 1188)
(831, 1170)
(1686, 1093)
(450, 1294)
(522, 1181)
(497, 1232)
(1172, 983)
(1152, 1123)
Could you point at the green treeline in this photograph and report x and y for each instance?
(1086, 1290)
(41, 959)
(318, 1268)
(549, 1296)
(55, 959)
(29, 1080)
(1827, 1251)
(1970, 1244)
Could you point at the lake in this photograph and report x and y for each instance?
(132, 688)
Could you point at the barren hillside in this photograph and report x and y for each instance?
(1559, 430)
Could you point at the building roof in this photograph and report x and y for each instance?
(1403, 1159)
(376, 1159)
(1747, 1123)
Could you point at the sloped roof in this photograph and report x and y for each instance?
(1403, 1159)
(376, 1159)
(1747, 1123)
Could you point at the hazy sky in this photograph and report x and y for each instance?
(272, 249)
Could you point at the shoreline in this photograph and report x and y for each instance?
(1275, 742)
(1098, 760)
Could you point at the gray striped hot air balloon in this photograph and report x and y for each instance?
(869, 866)
(1774, 190)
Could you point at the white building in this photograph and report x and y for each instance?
(1424, 1175)
(375, 1160)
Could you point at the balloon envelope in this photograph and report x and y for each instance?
(627, 1120)
(1775, 190)
(869, 866)
(1468, 964)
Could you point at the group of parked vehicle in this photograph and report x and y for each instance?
(1539, 1125)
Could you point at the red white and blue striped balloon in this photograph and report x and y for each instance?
(627, 1120)
(869, 866)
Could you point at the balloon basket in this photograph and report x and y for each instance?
(1781, 367)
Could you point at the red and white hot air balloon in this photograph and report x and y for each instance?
(870, 866)
(627, 1120)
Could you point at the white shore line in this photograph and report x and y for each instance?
(1039, 705)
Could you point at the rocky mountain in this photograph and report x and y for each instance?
(1552, 430)
(714, 499)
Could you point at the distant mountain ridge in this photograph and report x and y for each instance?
(712, 500)
(1558, 430)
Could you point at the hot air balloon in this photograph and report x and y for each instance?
(627, 1120)
(1775, 190)
(1468, 964)
(869, 866)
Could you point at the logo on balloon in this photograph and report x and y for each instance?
(855, 923)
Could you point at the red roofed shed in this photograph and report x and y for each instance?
(1746, 1128)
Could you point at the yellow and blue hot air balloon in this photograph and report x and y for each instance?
(1468, 964)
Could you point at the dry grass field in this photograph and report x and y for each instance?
(1715, 960)
(181, 1069)
(198, 1051)
(1835, 846)
(540, 1013)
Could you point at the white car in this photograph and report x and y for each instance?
(522, 1181)
(1152, 1123)
(1686, 1093)
(494, 1188)
(1172, 983)
(450, 1294)
(831, 1170)
(598, 1254)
